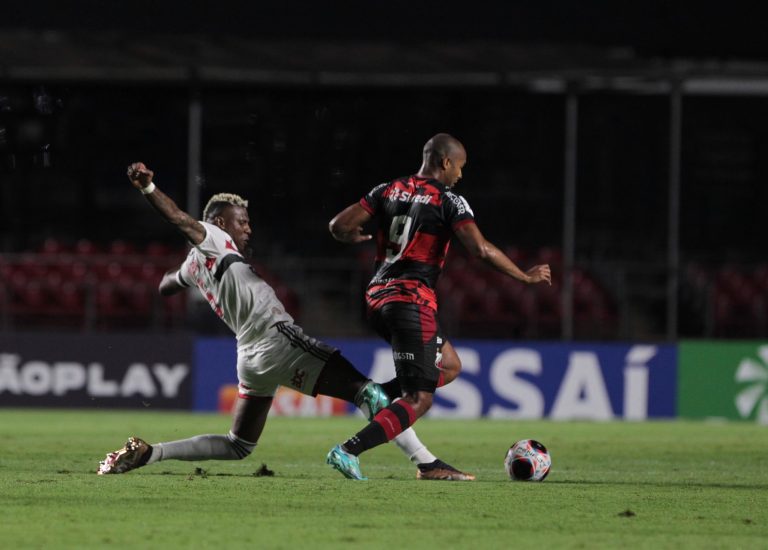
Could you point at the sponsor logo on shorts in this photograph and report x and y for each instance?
(297, 380)
(403, 355)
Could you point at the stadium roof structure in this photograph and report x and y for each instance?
(177, 59)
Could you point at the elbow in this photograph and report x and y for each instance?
(337, 229)
(333, 227)
(168, 286)
(480, 251)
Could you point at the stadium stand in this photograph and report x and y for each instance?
(87, 286)
(730, 298)
(478, 302)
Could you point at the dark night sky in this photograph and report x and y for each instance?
(650, 28)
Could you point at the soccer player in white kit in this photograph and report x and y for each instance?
(271, 350)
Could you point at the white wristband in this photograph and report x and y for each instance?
(149, 188)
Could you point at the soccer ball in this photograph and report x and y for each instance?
(527, 460)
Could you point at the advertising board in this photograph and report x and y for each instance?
(726, 380)
(95, 371)
(499, 379)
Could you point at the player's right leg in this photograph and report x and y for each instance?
(428, 466)
(339, 378)
(248, 419)
(413, 331)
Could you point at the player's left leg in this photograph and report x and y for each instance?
(248, 419)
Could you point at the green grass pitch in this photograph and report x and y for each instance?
(612, 485)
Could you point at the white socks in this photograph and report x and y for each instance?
(203, 447)
(413, 448)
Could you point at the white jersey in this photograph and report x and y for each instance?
(237, 294)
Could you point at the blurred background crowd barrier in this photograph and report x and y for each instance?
(625, 147)
(81, 250)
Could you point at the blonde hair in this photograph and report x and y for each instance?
(220, 201)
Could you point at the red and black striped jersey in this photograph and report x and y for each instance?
(417, 217)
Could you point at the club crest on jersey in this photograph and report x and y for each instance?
(193, 269)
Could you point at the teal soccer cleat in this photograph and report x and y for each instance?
(347, 464)
(371, 399)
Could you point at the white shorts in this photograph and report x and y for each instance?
(287, 357)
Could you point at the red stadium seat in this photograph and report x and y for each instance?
(731, 278)
(74, 270)
(6, 269)
(28, 298)
(85, 247)
(121, 248)
(71, 298)
(150, 273)
(173, 308)
(138, 299)
(32, 266)
(517, 255)
(549, 255)
(547, 311)
(739, 313)
(51, 246)
(157, 250)
(760, 278)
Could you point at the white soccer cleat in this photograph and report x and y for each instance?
(134, 454)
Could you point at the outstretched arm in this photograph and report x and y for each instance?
(141, 178)
(470, 236)
(347, 225)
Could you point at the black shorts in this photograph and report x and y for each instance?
(417, 344)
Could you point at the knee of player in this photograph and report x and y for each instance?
(240, 447)
(451, 371)
(451, 367)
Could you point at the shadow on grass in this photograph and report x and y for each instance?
(263, 471)
(684, 484)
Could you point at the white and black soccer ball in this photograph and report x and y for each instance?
(527, 460)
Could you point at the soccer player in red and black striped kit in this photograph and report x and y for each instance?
(417, 217)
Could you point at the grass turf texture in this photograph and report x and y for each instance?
(640, 485)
